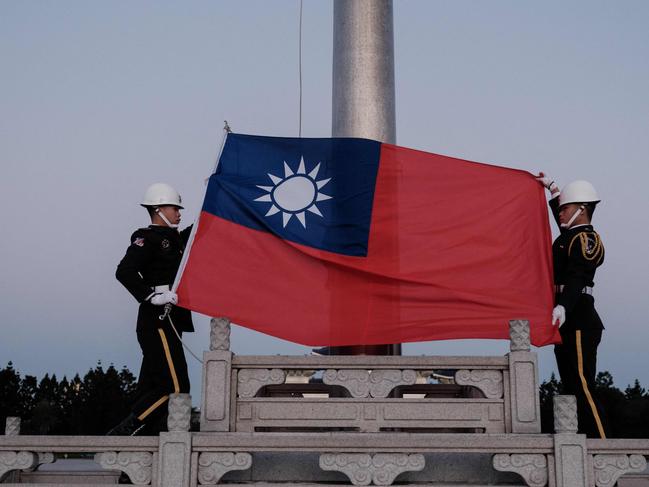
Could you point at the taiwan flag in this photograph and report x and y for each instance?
(349, 241)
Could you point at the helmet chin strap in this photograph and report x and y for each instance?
(164, 219)
(575, 215)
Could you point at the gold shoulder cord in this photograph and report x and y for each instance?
(596, 252)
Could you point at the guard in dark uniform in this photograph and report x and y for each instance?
(577, 253)
(147, 271)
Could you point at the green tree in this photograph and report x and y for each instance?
(106, 397)
(10, 400)
(547, 391)
(87, 406)
(635, 392)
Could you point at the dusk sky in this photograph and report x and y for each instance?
(100, 99)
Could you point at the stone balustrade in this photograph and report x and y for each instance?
(370, 393)
(360, 424)
(184, 459)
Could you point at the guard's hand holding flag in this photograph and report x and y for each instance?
(558, 315)
(547, 182)
(165, 297)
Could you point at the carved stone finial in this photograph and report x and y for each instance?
(16, 460)
(214, 465)
(12, 426)
(249, 381)
(136, 464)
(609, 468)
(565, 414)
(379, 469)
(532, 467)
(180, 412)
(220, 334)
(490, 382)
(519, 336)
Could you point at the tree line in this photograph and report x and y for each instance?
(625, 412)
(93, 404)
(88, 406)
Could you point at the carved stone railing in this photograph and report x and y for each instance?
(133, 455)
(179, 458)
(146, 460)
(612, 458)
(370, 393)
(360, 458)
(19, 459)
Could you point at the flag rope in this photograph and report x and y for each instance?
(299, 131)
(181, 340)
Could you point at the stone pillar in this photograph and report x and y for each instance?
(217, 367)
(174, 460)
(569, 448)
(12, 426)
(524, 380)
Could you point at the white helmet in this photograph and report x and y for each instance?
(578, 192)
(160, 194)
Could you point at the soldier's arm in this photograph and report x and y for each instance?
(137, 256)
(554, 206)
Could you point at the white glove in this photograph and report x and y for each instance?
(165, 297)
(558, 315)
(547, 182)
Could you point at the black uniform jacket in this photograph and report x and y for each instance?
(577, 253)
(151, 260)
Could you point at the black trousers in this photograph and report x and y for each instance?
(163, 370)
(577, 363)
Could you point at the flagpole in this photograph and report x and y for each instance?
(363, 99)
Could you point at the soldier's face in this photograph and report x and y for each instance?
(171, 212)
(566, 212)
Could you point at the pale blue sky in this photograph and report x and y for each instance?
(100, 99)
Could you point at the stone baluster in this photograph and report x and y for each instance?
(569, 447)
(524, 380)
(175, 451)
(217, 367)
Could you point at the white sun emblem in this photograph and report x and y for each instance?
(296, 193)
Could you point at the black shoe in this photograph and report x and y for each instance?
(321, 351)
(130, 426)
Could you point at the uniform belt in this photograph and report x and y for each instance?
(558, 288)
